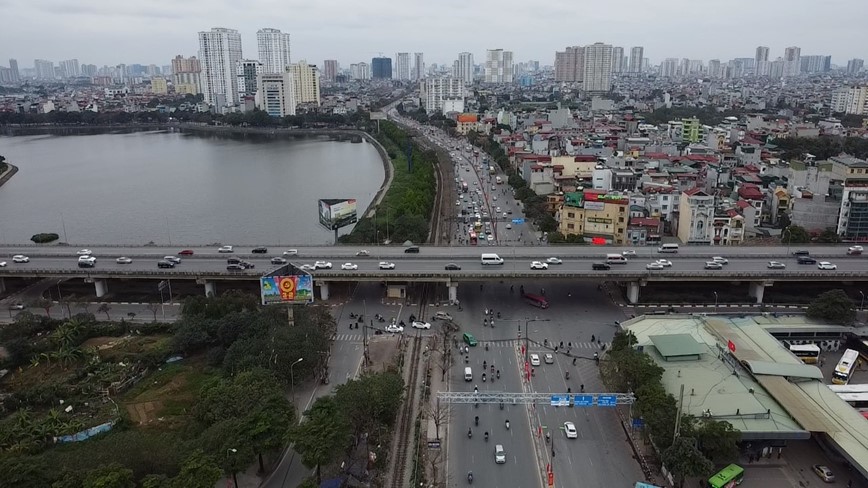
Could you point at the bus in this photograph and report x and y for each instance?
(464, 187)
(727, 477)
(859, 401)
(536, 300)
(844, 369)
(499, 180)
(673, 248)
(808, 353)
(863, 388)
(473, 238)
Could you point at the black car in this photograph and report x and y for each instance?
(259, 250)
(452, 267)
(801, 253)
(807, 260)
(234, 261)
(246, 265)
(600, 266)
(235, 267)
(412, 250)
(165, 264)
(278, 260)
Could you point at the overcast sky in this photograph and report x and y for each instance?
(126, 31)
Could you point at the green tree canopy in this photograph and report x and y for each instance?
(833, 306)
(684, 460)
(323, 436)
(795, 234)
(109, 476)
(370, 400)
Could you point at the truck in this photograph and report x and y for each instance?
(499, 180)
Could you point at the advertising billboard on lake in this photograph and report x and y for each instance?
(335, 213)
(286, 289)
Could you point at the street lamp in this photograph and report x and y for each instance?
(715, 301)
(292, 378)
(786, 231)
(862, 305)
(229, 451)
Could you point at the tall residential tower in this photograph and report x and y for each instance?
(219, 53)
(273, 50)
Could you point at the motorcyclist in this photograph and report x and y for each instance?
(475, 388)
(483, 377)
(486, 435)
(484, 364)
(568, 375)
(469, 432)
(470, 476)
(507, 424)
(498, 374)
(477, 420)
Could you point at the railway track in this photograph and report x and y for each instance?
(406, 445)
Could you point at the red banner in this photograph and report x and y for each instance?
(731, 346)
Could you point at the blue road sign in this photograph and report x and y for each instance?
(517, 221)
(607, 400)
(560, 401)
(584, 400)
(638, 423)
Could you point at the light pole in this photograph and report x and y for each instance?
(786, 231)
(862, 305)
(715, 301)
(292, 378)
(229, 451)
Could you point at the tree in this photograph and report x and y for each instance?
(198, 471)
(322, 437)
(795, 234)
(44, 304)
(833, 306)
(105, 308)
(370, 400)
(154, 308)
(784, 220)
(109, 476)
(684, 460)
(718, 440)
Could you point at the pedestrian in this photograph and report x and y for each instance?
(593, 339)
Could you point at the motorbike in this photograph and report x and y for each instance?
(486, 347)
(469, 433)
(507, 425)
(470, 478)
(568, 375)
(352, 315)
(486, 437)
(381, 319)
(498, 314)
(466, 359)
(483, 377)
(476, 420)
(498, 374)
(501, 405)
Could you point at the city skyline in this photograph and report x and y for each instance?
(357, 36)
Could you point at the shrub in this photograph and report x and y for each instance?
(44, 238)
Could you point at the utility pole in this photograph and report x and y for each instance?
(678, 414)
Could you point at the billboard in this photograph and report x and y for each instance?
(335, 213)
(378, 116)
(286, 289)
(595, 206)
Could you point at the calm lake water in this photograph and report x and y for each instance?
(173, 188)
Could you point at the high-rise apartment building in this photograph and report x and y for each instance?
(159, 85)
(792, 61)
(186, 75)
(13, 70)
(669, 67)
(330, 69)
(402, 66)
(418, 66)
(569, 64)
(275, 94)
(248, 76)
(219, 53)
(598, 68)
(44, 69)
(381, 68)
(714, 70)
(69, 68)
(761, 61)
(776, 68)
(274, 52)
(498, 66)
(436, 93)
(618, 60)
(305, 80)
(465, 68)
(636, 57)
(854, 66)
(815, 64)
(360, 71)
(850, 100)
(88, 70)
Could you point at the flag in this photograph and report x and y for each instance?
(731, 346)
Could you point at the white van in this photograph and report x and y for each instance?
(673, 248)
(615, 259)
(491, 258)
(468, 374)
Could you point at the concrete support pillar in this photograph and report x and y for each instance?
(210, 289)
(323, 290)
(101, 286)
(757, 289)
(453, 293)
(633, 292)
(2, 285)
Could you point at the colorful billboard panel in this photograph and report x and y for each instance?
(335, 213)
(286, 289)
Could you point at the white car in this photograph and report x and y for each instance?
(20, 258)
(349, 267)
(2, 264)
(534, 359)
(776, 265)
(490, 238)
(322, 265)
(421, 325)
(363, 252)
(499, 454)
(123, 260)
(554, 260)
(394, 328)
(86, 261)
(654, 265)
(719, 259)
(826, 265)
(665, 263)
(570, 430)
(225, 249)
(85, 252)
(713, 265)
(509, 226)
(173, 259)
(290, 252)
(307, 267)
(628, 253)
(386, 265)
(549, 359)
(539, 265)
(440, 315)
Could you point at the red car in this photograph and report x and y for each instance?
(185, 252)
